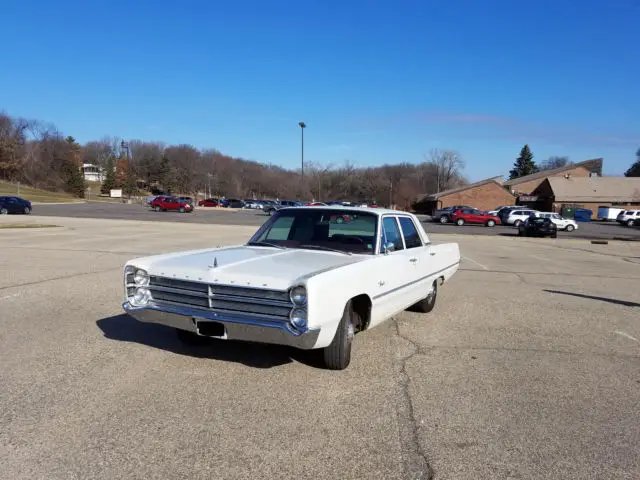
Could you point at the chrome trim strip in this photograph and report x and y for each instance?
(414, 282)
(221, 285)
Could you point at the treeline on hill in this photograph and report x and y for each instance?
(38, 155)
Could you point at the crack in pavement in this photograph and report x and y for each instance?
(62, 277)
(417, 466)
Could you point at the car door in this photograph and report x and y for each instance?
(423, 260)
(13, 206)
(394, 271)
(476, 216)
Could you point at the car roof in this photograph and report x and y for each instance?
(340, 208)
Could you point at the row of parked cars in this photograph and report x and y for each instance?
(515, 216)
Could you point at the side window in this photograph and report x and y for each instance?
(411, 237)
(391, 233)
(475, 212)
(279, 230)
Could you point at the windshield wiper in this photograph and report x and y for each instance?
(322, 247)
(266, 244)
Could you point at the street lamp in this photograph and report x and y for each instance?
(302, 127)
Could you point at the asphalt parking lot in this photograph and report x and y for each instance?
(528, 367)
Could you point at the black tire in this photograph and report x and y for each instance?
(570, 228)
(337, 355)
(444, 219)
(4, 211)
(554, 235)
(191, 338)
(630, 223)
(427, 303)
(517, 223)
(157, 208)
(460, 222)
(340, 220)
(27, 210)
(521, 233)
(182, 210)
(491, 223)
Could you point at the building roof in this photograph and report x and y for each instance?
(435, 196)
(593, 165)
(595, 189)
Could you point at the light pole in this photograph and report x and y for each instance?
(302, 127)
(125, 146)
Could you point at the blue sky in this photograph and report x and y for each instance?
(375, 81)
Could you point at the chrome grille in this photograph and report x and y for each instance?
(273, 304)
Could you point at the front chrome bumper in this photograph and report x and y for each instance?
(236, 328)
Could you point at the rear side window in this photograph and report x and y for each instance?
(410, 233)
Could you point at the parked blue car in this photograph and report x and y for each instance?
(14, 205)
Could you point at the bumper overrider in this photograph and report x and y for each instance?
(237, 326)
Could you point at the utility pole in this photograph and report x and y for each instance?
(302, 127)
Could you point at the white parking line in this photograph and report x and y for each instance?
(477, 263)
(10, 296)
(625, 334)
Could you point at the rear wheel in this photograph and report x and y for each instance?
(182, 210)
(570, 228)
(460, 222)
(427, 303)
(337, 355)
(444, 219)
(491, 223)
(630, 223)
(517, 223)
(157, 208)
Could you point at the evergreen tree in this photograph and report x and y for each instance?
(524, 164)
(129, 186)
(634, 170)
(73, 178)
(168, 175)
(109, 181)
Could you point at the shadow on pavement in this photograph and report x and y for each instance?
(592, 297)
(126, 329)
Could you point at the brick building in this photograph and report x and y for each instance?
(527, 184)
(484, 195)
(555, 193)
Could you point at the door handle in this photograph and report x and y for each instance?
(432, 253)
(413, 259)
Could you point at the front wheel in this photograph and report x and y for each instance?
(570, 228)
(491, 223)
(460, 222)
(337, 355)
(27, 210)
(427, 303)
(182, 210)
(4, 211)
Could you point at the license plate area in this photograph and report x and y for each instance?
(208, 328)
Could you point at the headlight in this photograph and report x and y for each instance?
(298, 318)
(142, 296)
(298, 295)
(141, 277)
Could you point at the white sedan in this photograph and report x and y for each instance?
(562, 223)
(304, 279)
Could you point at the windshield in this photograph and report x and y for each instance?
(320, 229)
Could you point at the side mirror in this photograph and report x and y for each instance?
(388, 247)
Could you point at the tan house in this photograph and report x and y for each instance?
(527, 184)
(484, 195)
(555, 193)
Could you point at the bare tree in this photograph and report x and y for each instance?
(448, 166)
(554, 162)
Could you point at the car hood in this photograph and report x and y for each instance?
(264, 267)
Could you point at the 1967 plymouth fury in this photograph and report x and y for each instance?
(307, 278)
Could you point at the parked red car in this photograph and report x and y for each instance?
(472, 215)
(208, 202)
(164, 203)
